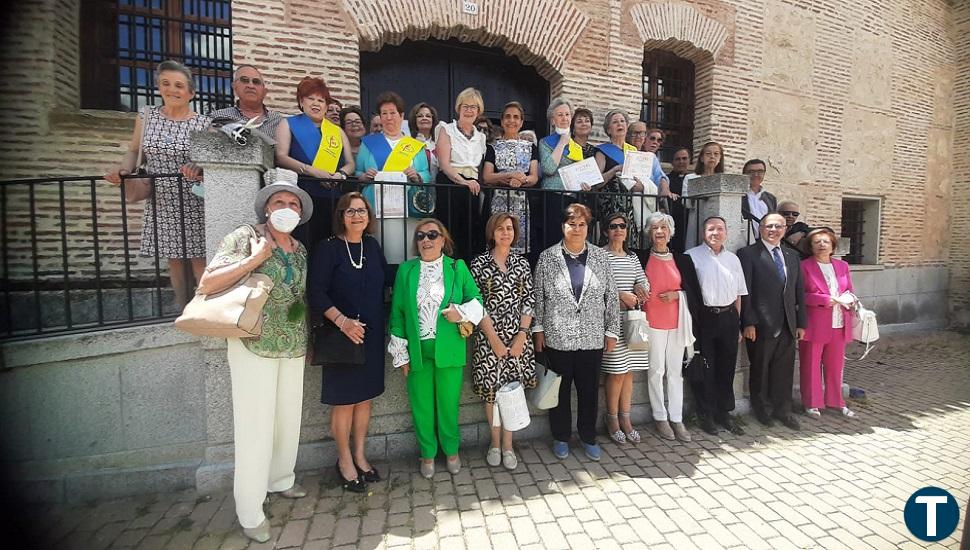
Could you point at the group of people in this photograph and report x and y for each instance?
(318, 241)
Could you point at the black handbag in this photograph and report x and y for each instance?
(332, 348)
(696, 369)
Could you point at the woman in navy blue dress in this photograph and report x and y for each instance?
(347, 280)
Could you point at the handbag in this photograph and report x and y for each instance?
(465, 328)
(332, 348)
(139, 189)
(546, 394)
(236, 312)
(635, 330)
(865, 330)
(511, 411)
(696, 369)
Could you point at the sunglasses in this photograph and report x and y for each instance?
(656, 138)
(355, 212)
(614, 226)
(789, 213)
(430, 235)
(253, 81)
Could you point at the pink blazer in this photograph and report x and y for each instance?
(817, 299)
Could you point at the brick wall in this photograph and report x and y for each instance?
(838, 97)
(959, 196)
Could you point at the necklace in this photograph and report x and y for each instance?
(661, 254)
(357, 265)
(576, 255)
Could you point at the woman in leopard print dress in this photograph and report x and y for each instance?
(503, 348)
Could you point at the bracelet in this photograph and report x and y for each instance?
(302, 169)
(344, 322)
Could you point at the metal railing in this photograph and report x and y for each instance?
(73, 253)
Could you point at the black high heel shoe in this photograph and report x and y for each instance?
(372, 476)
(356, 485)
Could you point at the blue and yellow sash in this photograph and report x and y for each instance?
(395, 160)
(572, 150)
(319, 147)
(614, 152)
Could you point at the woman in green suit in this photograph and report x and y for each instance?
(433, 295)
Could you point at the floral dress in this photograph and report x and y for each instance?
(507, 296)
(172, 206)
(512, 155)
(284, 332)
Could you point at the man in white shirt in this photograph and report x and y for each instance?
(756, 203)
(722, 285)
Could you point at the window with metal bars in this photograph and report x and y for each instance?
(668, 99)
(124, 40)
(860, 227)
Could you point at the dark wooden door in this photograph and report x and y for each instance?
(435, 71)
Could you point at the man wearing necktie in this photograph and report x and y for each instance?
(773, 320)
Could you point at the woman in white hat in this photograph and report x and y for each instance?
(267, 371)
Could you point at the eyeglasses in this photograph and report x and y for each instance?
(614, 226)
(774, 226)
(253, 81)
(430, 235)
(355, 212)
(658, 139)
(468, 107)
(789, 213)
(643, 133)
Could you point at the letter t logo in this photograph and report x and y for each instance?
(931, 502)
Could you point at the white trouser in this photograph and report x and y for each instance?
(666, 357)
(267, 407)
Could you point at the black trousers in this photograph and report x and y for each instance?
(772, 372)
(460, 211)
(581, 367)
(719, 347)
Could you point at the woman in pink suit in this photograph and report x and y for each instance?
(829, 326)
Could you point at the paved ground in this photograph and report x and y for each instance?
(839, 483)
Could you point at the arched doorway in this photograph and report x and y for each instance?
(435, 71)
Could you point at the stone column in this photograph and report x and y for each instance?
(233, 175)
(717, 195)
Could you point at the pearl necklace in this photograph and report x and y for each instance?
(360, 264)
(666, 254)
(577, 254)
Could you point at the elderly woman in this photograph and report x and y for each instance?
(432, 296)
(460, 148)
(174, 213)
(619, 364)
(352, 123)
(557, 150)
(334, 106)
(503, 350)
(347, 281)
(267, 371)
(314, 147)
(610, 158)
(636, 135)
(422, 120)
(511, 163)
(577, 320)
(672, 280)
(392, 151)
(828, 301)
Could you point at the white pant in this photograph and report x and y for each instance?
(666, 357)
(267, 406)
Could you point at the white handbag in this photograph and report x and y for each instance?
(510, 409)
(546, 394)
(635, 330)
(865, 330)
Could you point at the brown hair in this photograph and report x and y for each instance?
(699, 168)
(449, 246)
(828, 231)
(389, 97)
(493, 223)
(580, 111)
(576, 210)
(342, 205)
(310, 85)
(413, 119)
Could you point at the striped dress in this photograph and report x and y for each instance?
(627, 273)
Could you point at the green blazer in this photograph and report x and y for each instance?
(449, 345)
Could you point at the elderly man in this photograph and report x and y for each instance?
(774, 320)
(722, 286)
(249, 88)
(757, 202)
(795, 230)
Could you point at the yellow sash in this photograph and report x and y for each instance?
(402, 154)
(627, 148)
(575, 151)
(331, 147)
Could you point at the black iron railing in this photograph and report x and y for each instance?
(73, 249)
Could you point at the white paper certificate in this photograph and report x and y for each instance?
(578, 173)
(639, 164)
(389, 200)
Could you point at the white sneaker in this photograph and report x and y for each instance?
(814, 413)
(494, 456)
(847, 413)
(509, 460)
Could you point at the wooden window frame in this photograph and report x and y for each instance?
(676, 135)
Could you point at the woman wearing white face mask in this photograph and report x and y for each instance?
(267, 371)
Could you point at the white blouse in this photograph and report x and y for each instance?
(828, 272)
(465, 152)
(429, 296)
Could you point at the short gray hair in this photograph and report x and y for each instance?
(609, 116)
(235, 74)
(657, 217)
(175, 66)
(556, 103)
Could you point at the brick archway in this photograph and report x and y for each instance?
(681, 29)
(522, 30)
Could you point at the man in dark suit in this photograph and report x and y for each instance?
(773, 317)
